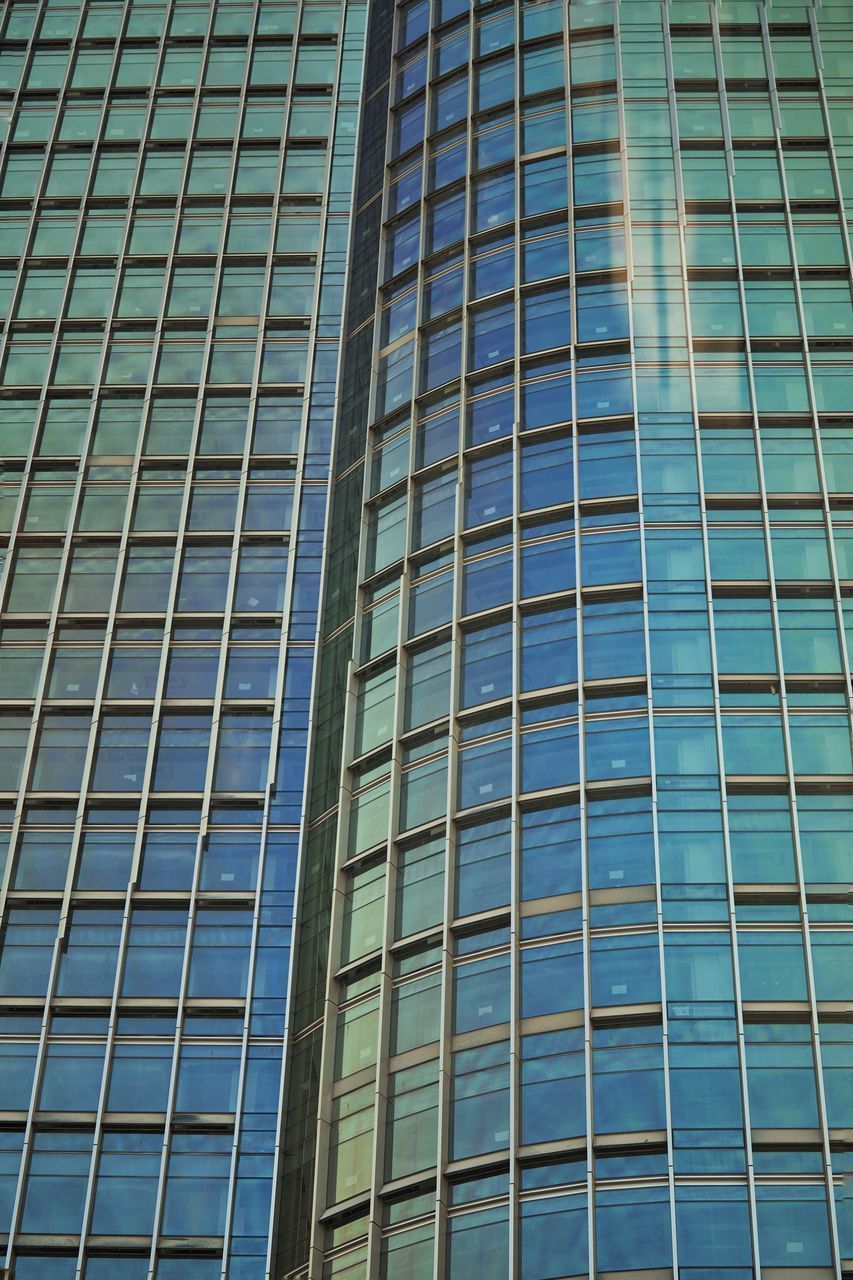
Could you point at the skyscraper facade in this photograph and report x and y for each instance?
(174, 221)
(572, 996)
(508, 350)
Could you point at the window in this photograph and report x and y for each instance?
(551, 979)
(632, 1228)
(412, 1120)
(480, 1100)
(88, 964)
(196, 1185)
(481, 993)
(219, 959)
(155, 951)
(56, 1188)
(27, 951)
(628, 1092)
(780, 1076)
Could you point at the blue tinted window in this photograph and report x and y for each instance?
(628, 1089)
(554, 1237)
(548, 648)
(713, 1227)
(552, 1086)
(625, 970)
(632, 1228)
(793, 1223)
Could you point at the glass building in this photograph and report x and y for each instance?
(573, 995)
(549, 306)
(175, 201)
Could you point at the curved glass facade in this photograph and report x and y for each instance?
(575, 992)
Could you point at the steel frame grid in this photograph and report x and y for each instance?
(348, 39)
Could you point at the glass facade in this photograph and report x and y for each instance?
(548, 306)
(572, 995)
(175, 199)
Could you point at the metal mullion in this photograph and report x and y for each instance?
(380, 1118)
(815, 424)
(308, 387)
(10, 539)
(756, 435)
(445, 1029)
(276, 196)
(253, 31)
(728, 142)
(385, 976)
(395, 768)
(168, 623)
(386, 973)
(194, 889)
(381, 1078)
(106, 1079)
(515, 1008)
(180, 543)
(244, 1048)
(26, 1150)
(650, 719)
(166, 1149)
(331, 999)
(192, 149)
(125, 544)
(709, 613)
(589, 1126)
(227, 615)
